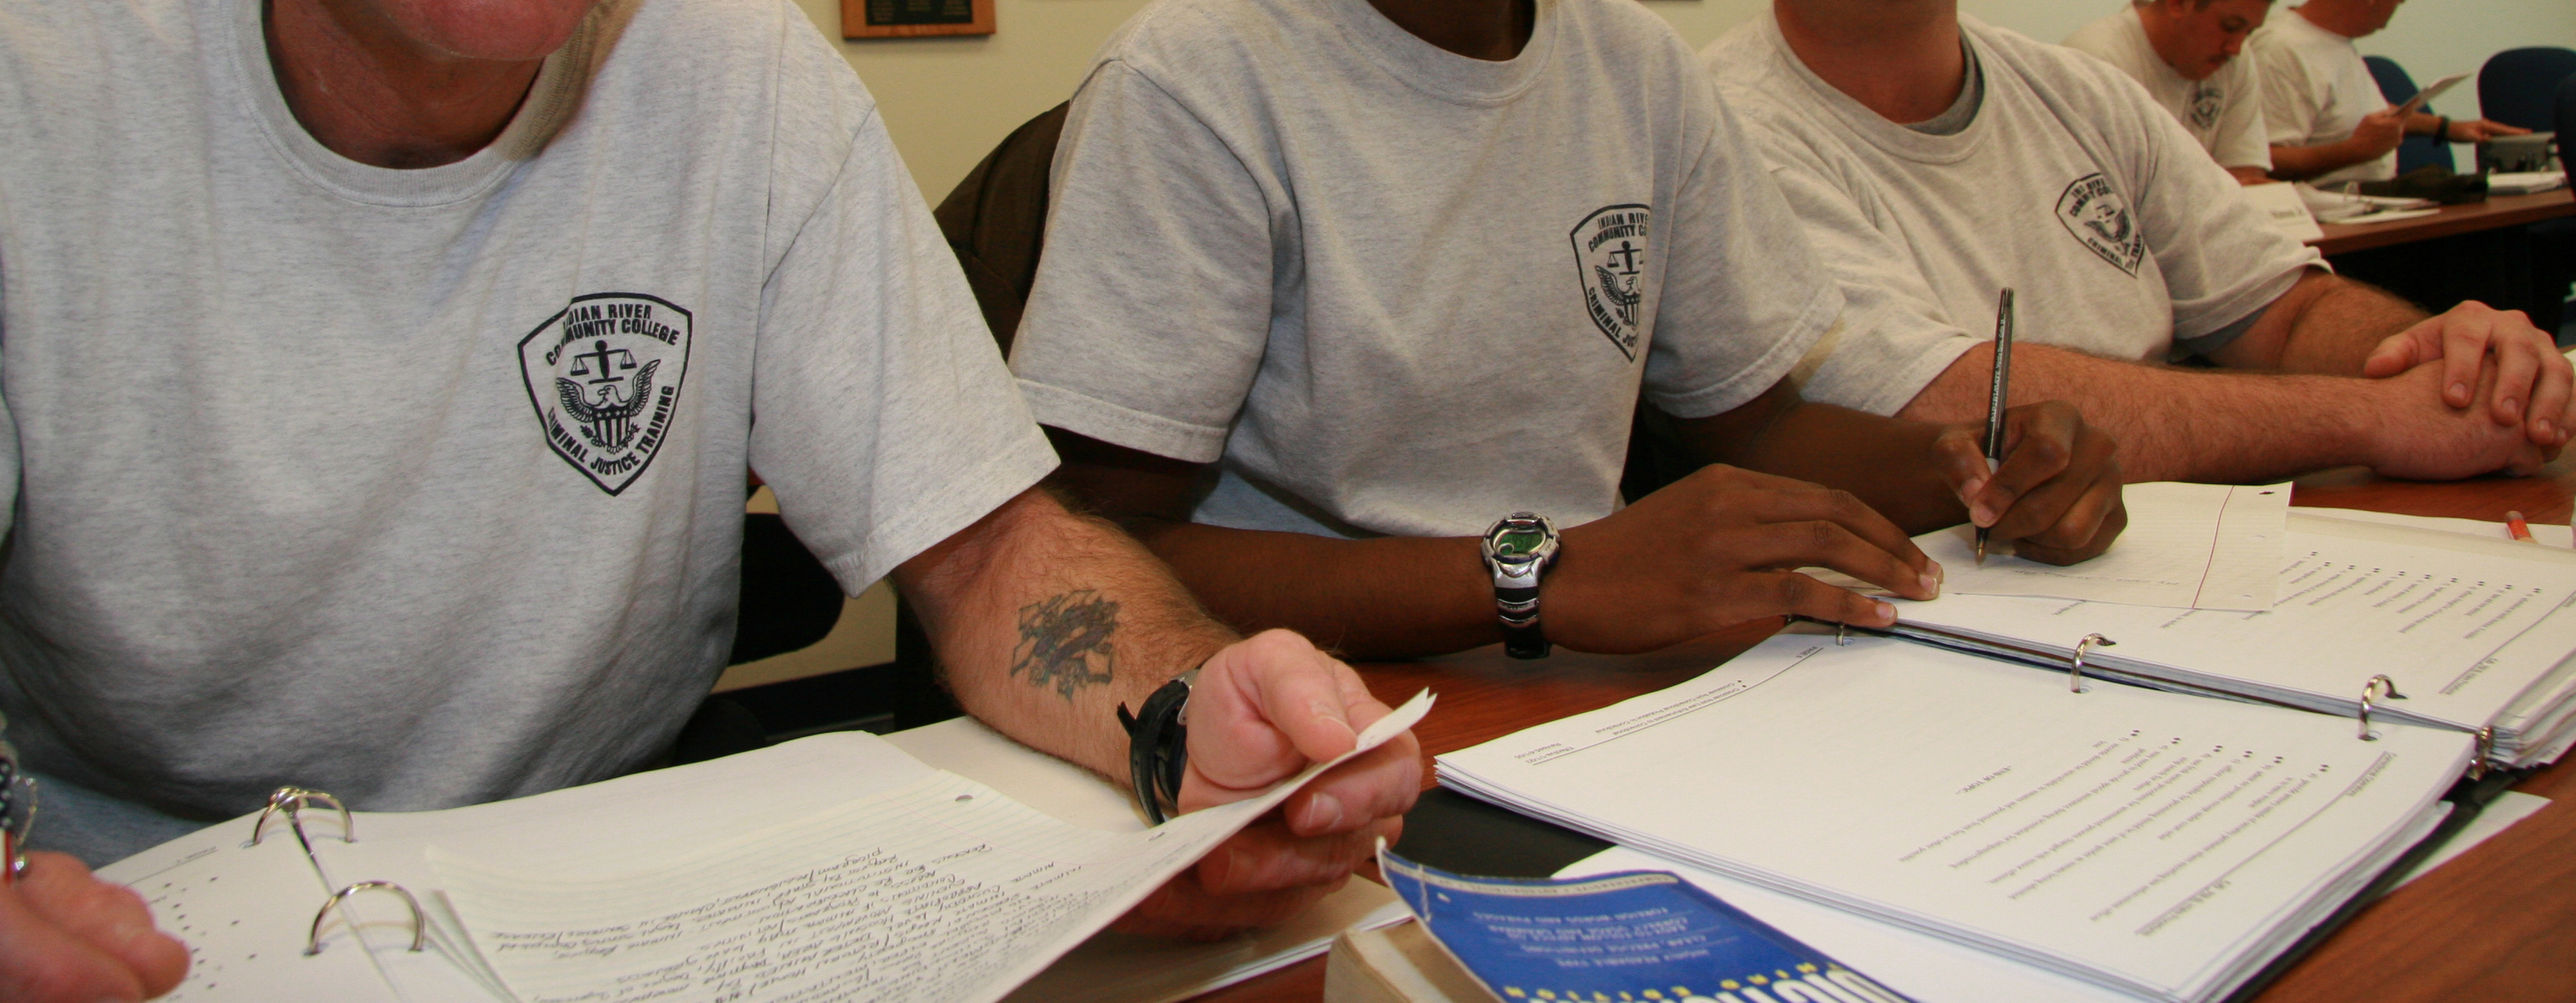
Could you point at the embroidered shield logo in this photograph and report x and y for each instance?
(1610, 261)
(2205, 99)
(604, 375)
(2096, 214)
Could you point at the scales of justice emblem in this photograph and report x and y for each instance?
(604, 375)
(1609, 263)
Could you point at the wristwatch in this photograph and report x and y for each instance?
(1518, 549)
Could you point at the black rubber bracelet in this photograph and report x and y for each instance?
(1158, 747)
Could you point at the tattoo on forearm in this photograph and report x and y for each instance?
(1064, 642)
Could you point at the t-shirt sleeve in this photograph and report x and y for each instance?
(2221, 260)
(2291, 101)
(882, 416)
(2242, 140)
(1152, 304)
(1743, 297)
(1894, 335)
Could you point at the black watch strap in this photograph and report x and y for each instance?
(1158, 746)
(1522, 637)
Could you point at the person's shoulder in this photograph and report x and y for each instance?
(2106, 36)
(2058, 73)
(78, 38)
(1624, 23)
(1203, 38)
(1752, 73)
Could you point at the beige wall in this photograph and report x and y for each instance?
(948, 100)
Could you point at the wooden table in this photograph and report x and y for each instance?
(2497, 924)
(2496, 211)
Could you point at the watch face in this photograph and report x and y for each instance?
(1518, 541)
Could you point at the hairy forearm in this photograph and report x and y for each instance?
(2332, 332)
(1390, 597)
(2172, 424)
(1046, 621)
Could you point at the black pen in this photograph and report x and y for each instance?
(1995, 403)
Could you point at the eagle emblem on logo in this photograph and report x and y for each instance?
(2206, 99)
(604, 374)
(1610, 262)
(2099, 218)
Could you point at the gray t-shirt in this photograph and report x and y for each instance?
(1397, 290)
(2070, 185)
(425, 487)
(2316, 90)
(2223, 111)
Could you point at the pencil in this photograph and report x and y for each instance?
(1995, 403)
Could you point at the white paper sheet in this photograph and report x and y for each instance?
(2463, 629)
(941, 890)
(2190, 546)
(1932, 970)
(2155, 841)
(1113, 967)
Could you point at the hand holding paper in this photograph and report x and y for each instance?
(1262, 711)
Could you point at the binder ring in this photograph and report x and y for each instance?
(419, 930)
(291, 801)
(2486, 749)
(2379, 687)
(2075, 671)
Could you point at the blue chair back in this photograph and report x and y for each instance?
(2396, 86)
(2566, 126)
(2517, 86)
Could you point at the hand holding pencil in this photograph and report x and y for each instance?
(2037, 475)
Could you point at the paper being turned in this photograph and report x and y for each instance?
(941, 890)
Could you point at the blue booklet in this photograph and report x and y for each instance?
(1618, 938)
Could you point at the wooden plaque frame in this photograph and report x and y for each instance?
(854, 23)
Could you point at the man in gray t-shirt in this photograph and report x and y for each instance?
(1384, 292)
(1934, 158)
(381, 379)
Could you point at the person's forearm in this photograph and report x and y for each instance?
(2249, 175)
(2332, 332)
(1045, 622)
(2172, 424)
(2299, 163)
(1390, 597)
(1888, 463)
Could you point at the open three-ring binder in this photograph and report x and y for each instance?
(2473, 635)
(2154, 845)
(2182, 803)
(839, 866)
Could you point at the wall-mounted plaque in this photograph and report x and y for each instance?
(909, 18)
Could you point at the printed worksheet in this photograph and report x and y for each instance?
(943, 889)
(2462, 633)
(2145, 840)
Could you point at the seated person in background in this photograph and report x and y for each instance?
(1331, 287)
(1934, 158)
(377, 421)
(2184, 53)
(2327, 119)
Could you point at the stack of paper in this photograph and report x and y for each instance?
(2524, 182)
(832, 867)
(2474, 633)
(2147, 844)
